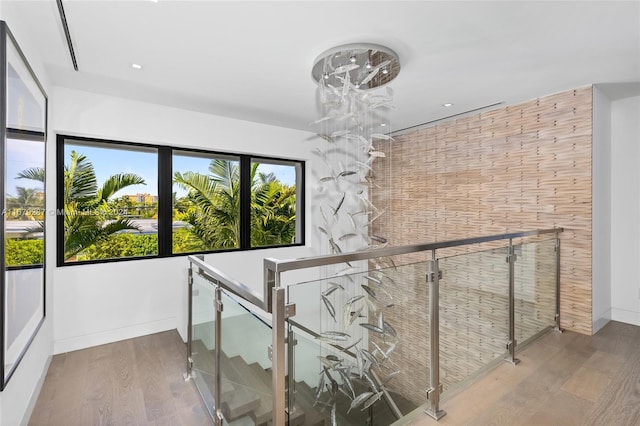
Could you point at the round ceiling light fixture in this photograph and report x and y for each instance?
(368, 66)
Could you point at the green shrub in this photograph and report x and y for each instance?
(24, 252)
(121, 245)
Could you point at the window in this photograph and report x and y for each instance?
(24, 202)
(274, 202)
(23, 124)
(110, 201)
(122, 200)
(206, 206)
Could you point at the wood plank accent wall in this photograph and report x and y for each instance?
(520, 167)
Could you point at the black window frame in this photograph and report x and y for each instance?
(165, 198)
(6, 36)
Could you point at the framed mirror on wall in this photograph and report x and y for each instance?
(23, 134)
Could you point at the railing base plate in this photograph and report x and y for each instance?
(437, 415)
(558, 329)
(514, 361)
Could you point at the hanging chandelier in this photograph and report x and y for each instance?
(354, 100)
(351, 195)
(362, 65)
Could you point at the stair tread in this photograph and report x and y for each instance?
(300, 415)
(305, 397)
(201, 356)
(236, 400)
(248, 377)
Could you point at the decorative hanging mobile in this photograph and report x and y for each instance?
(353, 126)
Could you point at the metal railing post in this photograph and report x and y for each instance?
(433, 393)
(557, 327)
(189, 374)
(279, 414)
(511, 344)
(218, 356)
(291, 366)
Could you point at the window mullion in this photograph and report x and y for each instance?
(165, 201)
(245, 202)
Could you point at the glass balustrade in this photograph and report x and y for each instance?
(474, 313)
(350, 360)
(245, 365)
(535, 289)
(203, 316)
(373, 340)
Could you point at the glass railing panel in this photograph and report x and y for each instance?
(203, 317)
(360, 335)
(245, 365)
(535, 288)
(474, 313)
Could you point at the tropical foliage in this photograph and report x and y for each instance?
(95, 226)
(273, 211)
(87, 218)
(27, 204)
(213, 207)
(23, 252)
(134, 245)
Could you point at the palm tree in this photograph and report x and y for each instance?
(87, 219)
(86, 212)
(273, 207)
(216, 218)
(25, 201)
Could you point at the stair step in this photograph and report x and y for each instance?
(300, 416)
(237, 401)
(297, 417)
(305, 397)
(248, 377)
(204, 358)
(244, 400)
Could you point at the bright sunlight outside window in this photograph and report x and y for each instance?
(110, 201)
(119, 200)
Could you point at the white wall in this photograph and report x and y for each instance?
(100, 303)
(19, 397)
(601, 232)
(625, 210)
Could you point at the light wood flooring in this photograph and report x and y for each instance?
(563, 379)
(132, 382)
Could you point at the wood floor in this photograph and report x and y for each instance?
(563, 379)
(132, 382)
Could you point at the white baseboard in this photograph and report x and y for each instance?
(100, 338)
(601, 322)
(36, 393)
(622, 315)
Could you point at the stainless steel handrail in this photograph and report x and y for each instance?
(330, 259)
(228, 283)
(272, 280)
(273, 301)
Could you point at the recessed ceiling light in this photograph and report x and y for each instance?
(136, 66)
(383, 124)
(447, 105)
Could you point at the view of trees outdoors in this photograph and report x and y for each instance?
(110, 211)
(24, 203)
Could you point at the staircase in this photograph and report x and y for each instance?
(246, 394)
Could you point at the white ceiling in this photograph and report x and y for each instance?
(252, 60)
